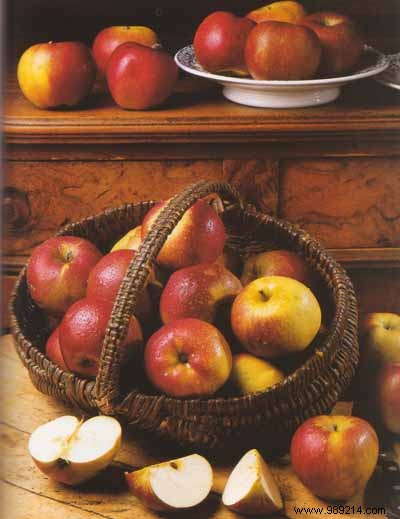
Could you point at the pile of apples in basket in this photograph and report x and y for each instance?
(205, 324)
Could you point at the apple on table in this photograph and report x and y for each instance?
(334, 456)
(388, 396)
(140, 77)
(56, 74)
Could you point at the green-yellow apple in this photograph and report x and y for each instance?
(219, 43)
(388, 396)
(58, 271)
(55, 75)
(334, 456)
(188, 357)
(108, 39)
(71, 451)
(82, 332)
(282, 51)
(130, 240)
(380, 338)
(251, 488)
(53, 349)
(105, 279)
(250, 374)
(342, 44)
(274, 316)
(277, 263)
(140, 77)
(172, 485)
(281, 11)
(199, 237)
(198, 291)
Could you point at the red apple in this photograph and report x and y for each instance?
(198, 291)
(334, 456)
(140, 77)
(58, 271)
(275, 316)
(110, 38)
(51, 74)
(342, 44)
(277, 263)
(188, 357)
(199, 237)
(53, 350)
(282, 51)
(106, 277)
(82, 332)
(219, 43)
(388, 395)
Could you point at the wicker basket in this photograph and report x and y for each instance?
(313, 388)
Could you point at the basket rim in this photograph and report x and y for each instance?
(343, 291)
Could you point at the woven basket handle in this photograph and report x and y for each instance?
(107, 386)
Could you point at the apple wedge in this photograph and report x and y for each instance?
(251, 488)
(71, 451)
(172, 485)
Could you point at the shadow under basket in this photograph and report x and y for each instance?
(265, 419)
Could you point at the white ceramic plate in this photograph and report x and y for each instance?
(391, 76)
(283, 94)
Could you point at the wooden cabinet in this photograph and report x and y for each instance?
(334, 169)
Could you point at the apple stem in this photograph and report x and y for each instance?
(263, 295)
(183, 358)
(173, 465)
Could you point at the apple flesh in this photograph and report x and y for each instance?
(188, 357)
(140, 77)
(219, 43)
(282, 51)
(334, 456)
(388, 395)
(82, 332)
(275, 316)
(53, 75)
(131, 240)
(198, 291)
(251, 488)
(172, 485)
(199, 236)
(250, 374)
(53, 349)
(342, 44)
(281, 11)
(72, 452)
(277, 263)
(105, 279)
(58, 271)
(107, 40)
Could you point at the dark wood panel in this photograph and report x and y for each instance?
(377, 290)
(344, 203)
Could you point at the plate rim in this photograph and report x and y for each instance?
(290, 83)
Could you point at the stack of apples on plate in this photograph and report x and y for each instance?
(278, 41)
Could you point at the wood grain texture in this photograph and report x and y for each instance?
(344, 203)
(28, 494)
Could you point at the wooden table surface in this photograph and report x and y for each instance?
(28, 494)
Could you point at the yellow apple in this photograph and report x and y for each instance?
(274, 316)
(250, 374)
(283, 11)
(172, 485)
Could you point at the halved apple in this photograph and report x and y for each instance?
(71, 451)
(251, 488)
(172, 485)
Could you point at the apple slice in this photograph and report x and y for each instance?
(71, 451)
(251, 488)
(172, 485)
